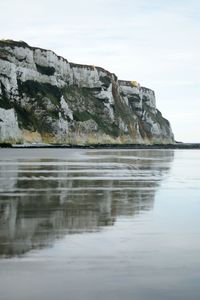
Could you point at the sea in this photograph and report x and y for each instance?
(99, 224)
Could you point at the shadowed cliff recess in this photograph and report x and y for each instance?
(46, 99)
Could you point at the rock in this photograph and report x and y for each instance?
(44, 98)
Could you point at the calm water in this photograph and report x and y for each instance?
(99, 224)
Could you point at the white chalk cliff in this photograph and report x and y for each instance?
(45, 98)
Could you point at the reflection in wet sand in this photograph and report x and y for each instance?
(50, 194)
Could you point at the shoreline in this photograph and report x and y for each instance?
(104, 146)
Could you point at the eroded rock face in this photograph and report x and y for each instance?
(44, 98)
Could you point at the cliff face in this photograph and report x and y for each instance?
(45, 98)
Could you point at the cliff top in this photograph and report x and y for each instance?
(22, 44)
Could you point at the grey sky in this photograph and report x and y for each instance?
(154, 42)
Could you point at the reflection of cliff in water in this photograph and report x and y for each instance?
(44, 199)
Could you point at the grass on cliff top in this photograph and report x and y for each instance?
(12, 44)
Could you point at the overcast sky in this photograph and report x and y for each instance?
(155, 42)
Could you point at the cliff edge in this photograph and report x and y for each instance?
(46, 99)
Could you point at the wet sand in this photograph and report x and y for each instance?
(99, 224)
